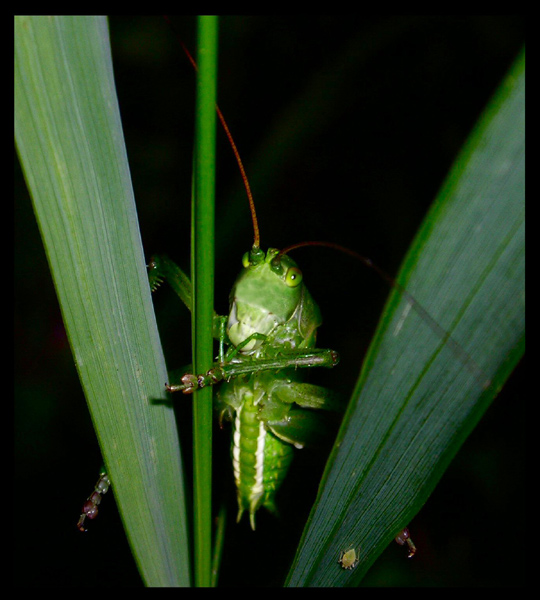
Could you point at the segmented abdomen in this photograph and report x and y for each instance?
(260, 460)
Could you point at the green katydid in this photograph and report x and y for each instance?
(270, 331)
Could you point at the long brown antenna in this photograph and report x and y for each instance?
(445, 336)
(256, 235)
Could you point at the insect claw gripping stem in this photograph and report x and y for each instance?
(192, 382)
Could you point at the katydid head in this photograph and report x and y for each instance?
(270, 301)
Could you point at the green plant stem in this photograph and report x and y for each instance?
(218, 543)
(202, 269)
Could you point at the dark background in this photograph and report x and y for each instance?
(347, 127)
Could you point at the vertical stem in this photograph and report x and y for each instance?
(202, 269)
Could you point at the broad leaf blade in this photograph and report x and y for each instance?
(421, 393)
(70, 143)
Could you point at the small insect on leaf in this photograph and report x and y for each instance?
(348, 559)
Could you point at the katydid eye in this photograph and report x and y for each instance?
(245, 260)
(293, 277)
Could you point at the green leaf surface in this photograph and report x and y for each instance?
(438, 358)
(70, 144)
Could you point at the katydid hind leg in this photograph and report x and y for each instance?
(288, 416)
(302, 428)
(308, 395)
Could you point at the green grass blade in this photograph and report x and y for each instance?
(420, 394)
(70, 143)
(203, 290)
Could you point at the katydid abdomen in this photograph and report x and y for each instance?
(260, 460)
